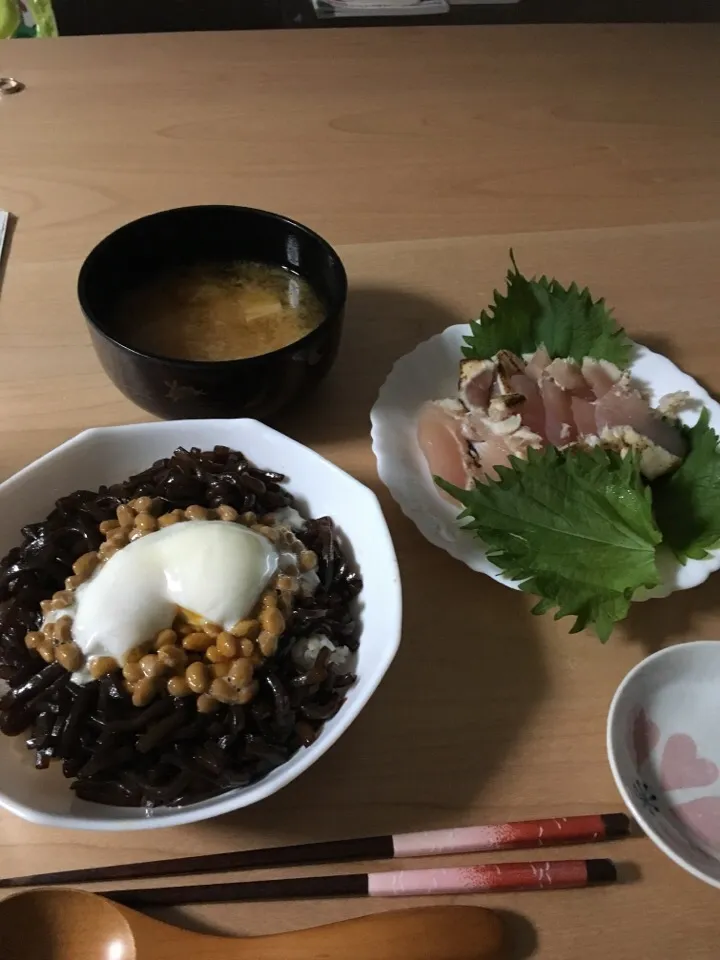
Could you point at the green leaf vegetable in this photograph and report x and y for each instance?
(575, 527)
(687, 502)
(579, 528)
(568, 322)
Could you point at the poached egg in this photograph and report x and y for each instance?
(214, 570)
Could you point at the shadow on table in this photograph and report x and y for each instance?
(658, 623)
(668, 348)
(381, 324)
(522, 937)
(469, 674)
(180, 917)
(659, 344)
(467, 681)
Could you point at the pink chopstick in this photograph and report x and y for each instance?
(513, 835)
(488, 877)
(501, 836)
(483, 878)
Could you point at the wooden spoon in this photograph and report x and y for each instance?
(63, 924)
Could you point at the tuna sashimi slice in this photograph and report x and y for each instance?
(494, 443)
(532, 411)
(567, 374)
(559, 423)
(476, 380)
(601, 375)
(537, 363)
(491, 454)
(439, 434)
(491, 449)
(583, 412)
(624, 407)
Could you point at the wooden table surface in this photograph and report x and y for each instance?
(423, 155)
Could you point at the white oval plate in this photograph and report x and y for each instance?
(664, 752)
(430, 372)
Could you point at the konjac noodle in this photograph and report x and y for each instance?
(219, 311)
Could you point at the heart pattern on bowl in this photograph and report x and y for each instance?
(702, 816)
(664, 752)
(682, 767)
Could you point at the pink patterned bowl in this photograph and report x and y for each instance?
(664, 752)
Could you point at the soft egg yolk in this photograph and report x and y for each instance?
(194, 619)
(213, 571)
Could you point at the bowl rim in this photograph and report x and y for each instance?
(334, 310)
(305, 757)
(612, 732)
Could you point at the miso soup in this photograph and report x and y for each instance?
(219, 311)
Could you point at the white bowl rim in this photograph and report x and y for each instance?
(612, 723)
(305, 757)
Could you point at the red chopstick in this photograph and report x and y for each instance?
(482, 878)
(501, 836)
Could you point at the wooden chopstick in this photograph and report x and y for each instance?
(482, 878)
(506, 836)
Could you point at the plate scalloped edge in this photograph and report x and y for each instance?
(429, 372)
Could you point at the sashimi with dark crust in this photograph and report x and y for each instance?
(508, 404)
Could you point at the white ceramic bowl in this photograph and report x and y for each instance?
(430, 372)
(664, 751)
(112, 454)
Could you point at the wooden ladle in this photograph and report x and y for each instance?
(63, 924)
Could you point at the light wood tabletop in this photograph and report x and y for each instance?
(423, 154)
